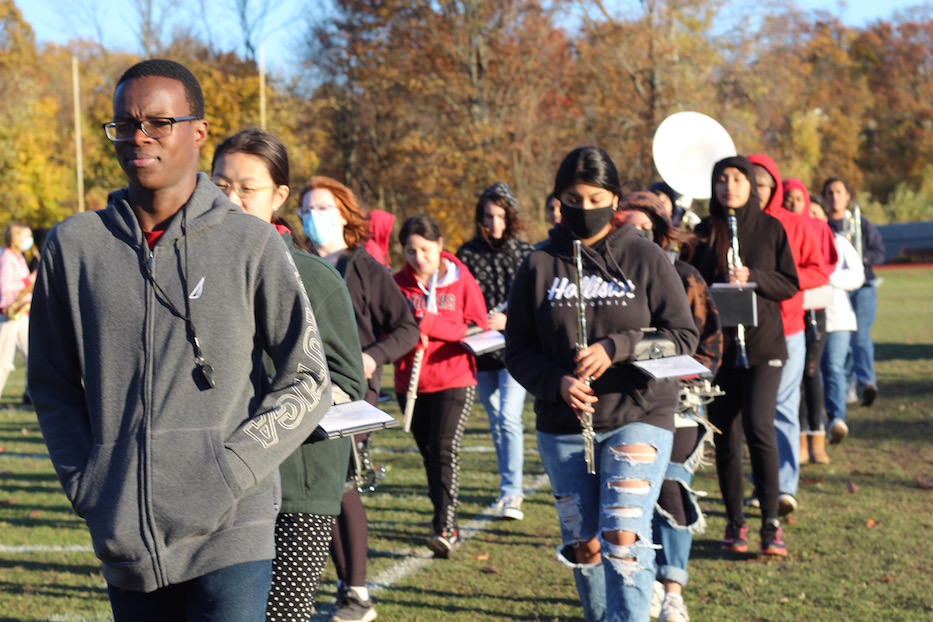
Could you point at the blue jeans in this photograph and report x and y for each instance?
(676, 538)
(833, 366)
(787, 415)
(503, 398)
(864, 302)
(619, 587)
(236, 593)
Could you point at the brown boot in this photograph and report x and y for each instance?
(805, 456)
(818, 453)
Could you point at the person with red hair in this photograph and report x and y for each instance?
(333, 219)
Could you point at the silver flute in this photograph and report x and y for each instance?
(586, 418)
(741, 355)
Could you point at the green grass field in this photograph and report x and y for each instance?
(862, 555)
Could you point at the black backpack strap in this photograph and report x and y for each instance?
(343, 263)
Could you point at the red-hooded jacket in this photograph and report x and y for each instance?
(808, 258)
(447, 364)
(821, 231)
(380, 229)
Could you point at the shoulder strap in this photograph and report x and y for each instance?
(344, 261)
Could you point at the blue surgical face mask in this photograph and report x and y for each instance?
(26, 244)
(322, 226)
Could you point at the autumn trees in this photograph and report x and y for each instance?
(419, 105)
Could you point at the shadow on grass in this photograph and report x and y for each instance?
(6, 563)
(472, 603)
(903, 351)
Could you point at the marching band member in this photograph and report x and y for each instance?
(447, 382)
(678, 516)
(764, 258)
(627, 285)
(493, 257)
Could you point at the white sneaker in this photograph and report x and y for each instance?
(786, 504)
(512, 508)
(851, 394)
(657, 597)
(838, 431)
(673, 609)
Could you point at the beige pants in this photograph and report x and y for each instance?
(13, 334)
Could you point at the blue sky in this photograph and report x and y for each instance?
(61, 20)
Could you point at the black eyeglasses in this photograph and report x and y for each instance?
(153, 128)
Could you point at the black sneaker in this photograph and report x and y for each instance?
(869, 394)
(354, 609)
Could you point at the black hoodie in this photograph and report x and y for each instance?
(629, 284)
(764, 249)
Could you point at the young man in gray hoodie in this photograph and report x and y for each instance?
(149, 322)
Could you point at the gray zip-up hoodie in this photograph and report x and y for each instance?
(174, 479)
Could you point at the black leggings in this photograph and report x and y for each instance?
(751, 393)
(812, 407)
(437, 424)
(351, 540)
(672, 493)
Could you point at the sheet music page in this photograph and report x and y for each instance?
(353, 418)
(672, 367)
(486, 341)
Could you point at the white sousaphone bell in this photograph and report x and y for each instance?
(686, 146)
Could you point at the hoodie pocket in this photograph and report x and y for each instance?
(190, 497)
(108, 498)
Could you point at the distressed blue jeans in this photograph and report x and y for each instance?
(503, 398)
(675, 537)
(620, 497)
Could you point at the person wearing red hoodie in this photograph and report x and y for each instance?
(447, 384)
(380, 235)
(812, 409)
(808, 260)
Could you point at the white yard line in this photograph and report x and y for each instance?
(40, 548)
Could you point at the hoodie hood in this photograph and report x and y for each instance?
(717, 209)
(205, 207)
(796, 184)
(380, 228)
(777, 197)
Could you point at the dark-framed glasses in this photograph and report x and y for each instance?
(158, 127)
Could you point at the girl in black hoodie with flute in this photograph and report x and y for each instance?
(627, 285)
(764, 259)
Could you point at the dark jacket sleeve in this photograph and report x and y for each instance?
(524, 356)
(780, 283)
(872, 245)
(397, 325)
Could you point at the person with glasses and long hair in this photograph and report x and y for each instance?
(251, 168)
(334, 222)
(627, 287)
(493, 256)
(750, 398)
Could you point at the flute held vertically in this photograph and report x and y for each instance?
(412, 393)
(741, 355)
(586, 418)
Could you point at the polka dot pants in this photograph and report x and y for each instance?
(302, 543)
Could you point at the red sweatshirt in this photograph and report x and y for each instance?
(807, 256)
(446, 364)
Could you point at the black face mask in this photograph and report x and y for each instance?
(585, 223)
